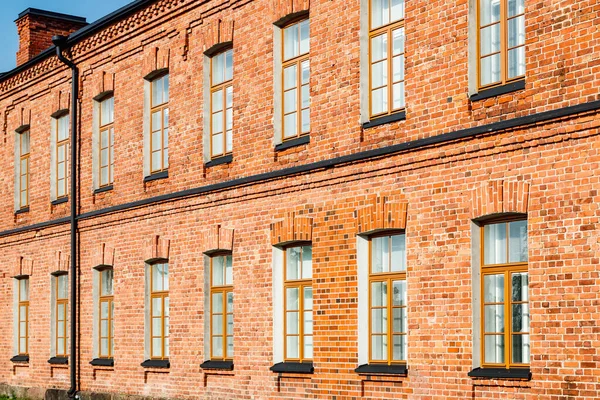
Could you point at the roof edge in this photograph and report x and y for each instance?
(51, 14)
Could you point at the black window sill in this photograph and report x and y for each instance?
(499, 90)
(219, 160)
(399, 116)
(22, 210)
(20, 359)
(293, 367)
(103, 362)
(222, 365)
(103, 189)
(501, 373)
(379, 369)
(157, 175)
(156, 364)
(288, 144)
(59, 360)
(60, 201)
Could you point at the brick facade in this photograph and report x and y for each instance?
(451, 161)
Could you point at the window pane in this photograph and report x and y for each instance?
(517, 244)
(61, 153)
(494, 319)
(228, 270)
(217, 324)
(229, 141)
(493, 288)
(495, 243)
(23, 315)
(292, 323)
(292, 303)
(107, 282)
(290, 125)
(217, 303)
(104, 328)
(228, 65)
(290, 101)
(489, 11)
(306, 262)
(490, 69)
(23, 199)
(378, 294)
(400, 319)
(379, 76)
(305, 76)
(379, 13)
(379, 347)
(157, 347)
(24, 289)
(292, 347)
(106, 111)
(379, 48)
(308, 347)
(217, 101)
(379, 320)
(494, 349)
(398, 41)
(157, 92)
(60, 347)
(62, 286)
(290, 77)
(380, 252)
(290, 42)
(398, 253)
(157, 277)
(398, 94)
(104, 347)
(308, 298)
(229, 119)
(304, 37)
(520, 318)
(165, 88)
(63, 127)
(104, 310)
(520, 286)
(516, 31)
(157, 307)
(61, 330)
(293, 263)
(217, 271)
(308, 323)
(24, 143)
(305, 96)
(156, 161)
(217, 144)
(516, 7)
(230, 324)
(520, 349)
(399, 349)
(379, 102)
(229, 346)
(218, 68)
(490, 40)
(60, 313)
(305, 121)
(398, 68)
(23, 346)
(399, 296)
(397, 10)
(217, 346)
(516, 62)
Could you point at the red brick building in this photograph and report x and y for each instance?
(304, 199)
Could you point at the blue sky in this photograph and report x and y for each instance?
(10, 9)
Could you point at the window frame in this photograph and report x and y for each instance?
(23, 303)
(24, 157)
(224, 290)
(389, 278)
(64, 144)
(162, 108)
(301, 285)
(109, 299)
(222, 86)
(505, 269)
(504, 49)
(386, 30)
(108, 127)
(164, 296)
(65, 303)
(297, 60)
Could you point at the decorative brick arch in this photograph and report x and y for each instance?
(156, 59)
(104, 256)
(283, 8)
(62, 263)
(499, 197)
(380, 214)
(156, 249)
(216, 34)
(22, 267)
(218, 239)
(292, 228)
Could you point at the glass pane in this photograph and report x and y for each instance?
(516, 62)
(60, 312)
(62, 286)
(157, 278)
(397, 10)
(292, 323)
(398, 94)
(378, 294)
(229, 302)
(305, 96)
(157, 307)
(217, 303)
(61, 153)
(399, 350)
(308, 323)
(290, 77)
(60, 347)
(156, 347)
(379, 48)
(290, 101)
(106, 111)
(308, 298)
(23, 199)
(290, 42)
(520, 284)
(493, 288)
(308, 347)
(229, 346)
(398, 253)
(218, 68)
(104, 347)
(104, 157)
(379, 76)
(516, 7)
(156, 161)
(165, 118)
(379, 320)
(104, 328)
(520, 318)
(398, 41)
(104, 310)
(166, 88)
(292, 347)
(24, 289)
(516, 31)
(60, 330)
(229, 141)
(380, 14)
(217, 101)
(379, 347)
(290, 125)
(24, 143)
(217, 144)
(490, 69)
(23, 346)
(229, 119)
(494, 349)
(494, 238)
(61, 171)
(292, 299)
(228, 270)
(380, 252)
(217, 346)
(399, 295)
(489, 11)
(107, 282)
(520, 349)
(217, 271)
(306, 262)
(379, 101)
(63, 128)
(166, 155)
(228, 65)
(305, 72)
(398, 68)
(494, 319)
(305, 121)
(400, 320)
(490, 39)
(217, 324)
(293, 255)
(157, 326)
(156, 142)
(23, 313)
(304, 37)
(230, 324)
(157, 92)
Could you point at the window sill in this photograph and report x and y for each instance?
(60, 201)
(501, 373)
(381, 369)
(219, 160)
(59, 360)
(293, 367)
(288, 144)
(156, 364)
(22, 210)
(103, 189)
(156, 175)
(499, 90)
(222, 365)
(103, 362)
(20, 359)
(386, 119)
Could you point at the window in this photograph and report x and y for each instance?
(386, 61)
(159, 311)
(62, 302)
(23, 323)
(501, 44)
(159, 124)
(387, 299)
(221, 89)
(296, 79)
(106, 142)
(106, 314)
(221, 310)
(23, 178)
(505, 305)
(62, 148)
(298, 298)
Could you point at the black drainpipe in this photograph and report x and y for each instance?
(60, 42)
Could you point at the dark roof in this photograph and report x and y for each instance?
(52, 14)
